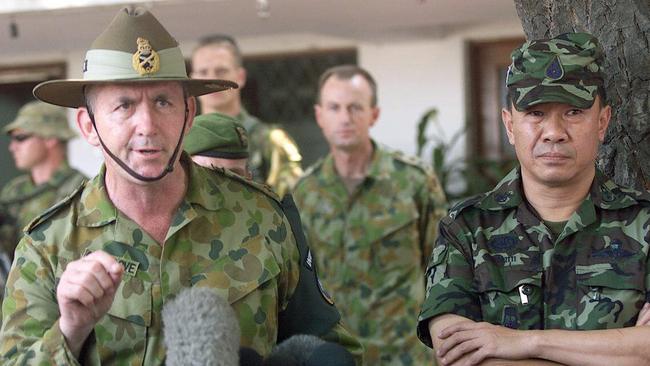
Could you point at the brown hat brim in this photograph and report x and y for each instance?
(70, 93)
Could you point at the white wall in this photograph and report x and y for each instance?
(412, 77)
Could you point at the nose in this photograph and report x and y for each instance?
(554, 130)
(145, 120)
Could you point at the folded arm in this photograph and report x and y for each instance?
(461, 341)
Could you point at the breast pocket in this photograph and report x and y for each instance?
(122, 334)
(511, 297)
(610, 295)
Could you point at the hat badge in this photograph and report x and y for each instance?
(554, 70)
(145, 60)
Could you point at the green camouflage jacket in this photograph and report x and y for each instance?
(372, 248)
(226, 235)
(274, 158)
(21, 201)
(496, 261)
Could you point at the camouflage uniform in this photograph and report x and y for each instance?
(227, 235)
(22, 201)
(496, 261)
(274, 157)
(372, 248)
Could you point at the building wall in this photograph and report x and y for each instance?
(413, 76)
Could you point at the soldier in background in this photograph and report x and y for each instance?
(274, 157)
(552, 265)
(218, 141)
(371, 216)
(39, 136)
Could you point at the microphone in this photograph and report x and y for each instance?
(200, 328)
(308, 350)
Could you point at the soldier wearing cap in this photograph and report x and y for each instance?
(552, 265)
(39, 136)
(371, 216)
(218, 141)
(92, 274)
(274, 157)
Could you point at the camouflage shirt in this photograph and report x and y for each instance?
(496, 261)
(21, 201)
(274, 158)
(226, 235)
(372, 248)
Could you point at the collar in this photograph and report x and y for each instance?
(603, 193)
(380, 167)
(96, 208)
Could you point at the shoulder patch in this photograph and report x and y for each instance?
(413, 161)
(66, 201)
(457, 208)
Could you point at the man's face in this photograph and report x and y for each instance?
(236, 165)
(344, 112)
(28, 150)
(556, 143)
(217, 62)
(139, 123)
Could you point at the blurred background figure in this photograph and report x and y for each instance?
(218, 141)
(274, 157)
(371, 215)
(39, 136)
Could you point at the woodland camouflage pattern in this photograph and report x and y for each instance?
(595, 275)
(565, 69)
(372, 248)
(273, 156)
(227, 235)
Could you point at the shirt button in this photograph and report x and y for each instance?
(527, 290)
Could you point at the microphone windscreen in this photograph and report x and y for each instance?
(294, 351)
(330, 354)
(250, 357)
(200, 328)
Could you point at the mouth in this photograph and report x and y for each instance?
(147, 152)
(553, 156)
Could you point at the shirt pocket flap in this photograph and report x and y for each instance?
(386, 224)
(506, 280)
(249, 267)
(606, 275)
(133, 301)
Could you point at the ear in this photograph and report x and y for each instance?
(604, 116)
(85, 126)
(191, 112)
(375, 111)
(318, 112)
(241, 77)
(506, 118)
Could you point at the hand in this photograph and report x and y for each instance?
(471, 343)
(85, 293)
(644, 315)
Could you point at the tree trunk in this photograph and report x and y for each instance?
(623, 29)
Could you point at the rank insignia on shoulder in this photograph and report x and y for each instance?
(309, 260)
(145, 60)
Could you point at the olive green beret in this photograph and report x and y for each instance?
(217, 135)
(42, 119)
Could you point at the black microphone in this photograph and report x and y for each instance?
(200, 328)
(308, 350)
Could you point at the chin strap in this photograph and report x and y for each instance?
(170, 165)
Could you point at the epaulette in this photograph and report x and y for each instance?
(411, 160)
(458, 207)
(310, 170)
(261, 187)
(67, 200)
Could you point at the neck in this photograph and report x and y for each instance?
(353, 163)
(142, 202)
(43, 172)
(233, 109)
(556, 203)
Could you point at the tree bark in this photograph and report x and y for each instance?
(623, 29)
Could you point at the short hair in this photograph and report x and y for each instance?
(347, 72)
(220, 40)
